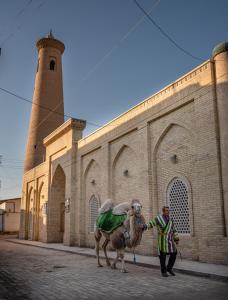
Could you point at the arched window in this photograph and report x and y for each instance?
(93, 208)
(52, 65)
(178, 195)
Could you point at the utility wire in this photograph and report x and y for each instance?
(12, 160)
(116, 45)
(11, 165)
(99, 63)
(164, 33)
(7, 176)
(19, 26)
(22, 10)
(65, 165)
(43, 107)
(147, 14)
(153, 22)
(102, 60)
(34, 103)
(157, 112)
(51, 110)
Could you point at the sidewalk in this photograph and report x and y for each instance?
(184, 266)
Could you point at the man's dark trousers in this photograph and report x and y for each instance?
(172, 258)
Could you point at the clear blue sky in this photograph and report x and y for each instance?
(112, 59)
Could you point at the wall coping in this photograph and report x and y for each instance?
(133, 110)
(62, 129)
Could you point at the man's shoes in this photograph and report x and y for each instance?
(171, 272)
(165, 275)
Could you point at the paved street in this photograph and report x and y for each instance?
(28, 272)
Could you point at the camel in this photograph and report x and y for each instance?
(128, 234)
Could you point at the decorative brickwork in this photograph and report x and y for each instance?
(171, 148)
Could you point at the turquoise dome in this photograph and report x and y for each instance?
(222, 47)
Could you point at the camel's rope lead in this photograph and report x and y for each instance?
(180, 254)
(178, 251)
(134, 258)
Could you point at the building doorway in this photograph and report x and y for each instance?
(56, 207)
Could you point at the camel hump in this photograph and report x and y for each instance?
(106, 206)
(110, 218)
(121, 208)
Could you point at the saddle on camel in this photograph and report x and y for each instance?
(122, 225)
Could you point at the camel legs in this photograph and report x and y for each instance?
(97, 235)
(123, 269)
(113, 266)
(120, 254)
(104, 246)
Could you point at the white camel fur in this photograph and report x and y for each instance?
(128, 234)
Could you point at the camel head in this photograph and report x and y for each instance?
(134, 223)
(136, 208)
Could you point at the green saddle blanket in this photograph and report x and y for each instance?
(108, 222)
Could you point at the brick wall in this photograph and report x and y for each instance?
(131, 157)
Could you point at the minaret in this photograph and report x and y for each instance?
(48, 93)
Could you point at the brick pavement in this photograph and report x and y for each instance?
(191, 267)
(38, 273)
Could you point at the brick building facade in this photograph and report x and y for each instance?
(172, 148)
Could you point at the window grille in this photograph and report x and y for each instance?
(178, 200)
(94, 207)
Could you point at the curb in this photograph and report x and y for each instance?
(151, 266)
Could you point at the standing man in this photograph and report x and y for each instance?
(167, 238)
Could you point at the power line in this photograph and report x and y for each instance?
(22, 10)
(13, 160)
(7, 177)
(99, 63)
(116, 45)
(164, 33)
(32, 102)
(91, 71)
(12, 167)
(43, 107)
(154, 114)
(102, 60)
(11, 163)
(51, 110)
(19, 26)
(65, 165)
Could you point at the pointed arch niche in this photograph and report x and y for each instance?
(178, 200)
(29, 213)
(125, 175)
(56, 207)
(173, 156)
(39, 224)
(92, 189)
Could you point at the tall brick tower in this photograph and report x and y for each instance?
(48, 93)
